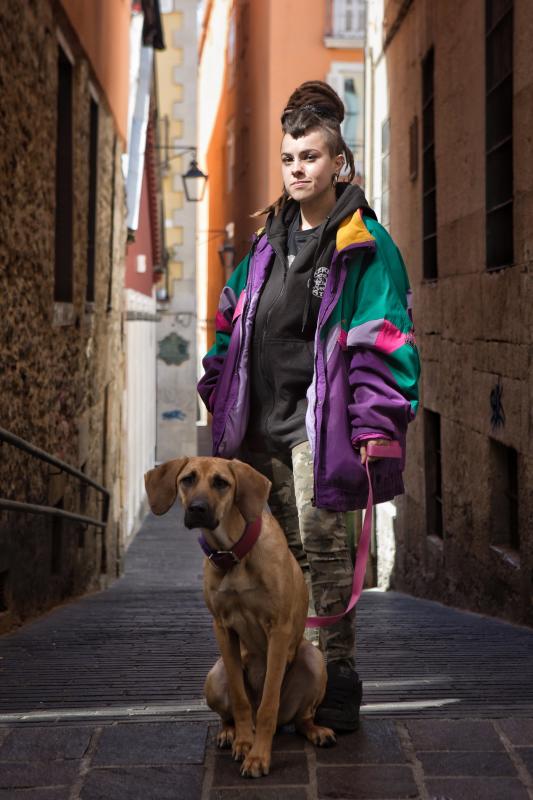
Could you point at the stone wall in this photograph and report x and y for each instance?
(474, 326)
(61, 384)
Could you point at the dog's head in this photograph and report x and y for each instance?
(207, 489)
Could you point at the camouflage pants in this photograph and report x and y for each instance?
(317, 538)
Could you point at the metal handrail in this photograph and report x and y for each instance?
(31, 508)
(49, 511)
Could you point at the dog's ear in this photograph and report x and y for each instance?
(161, 484)
(251, 490)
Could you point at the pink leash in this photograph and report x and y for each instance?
(392, 450)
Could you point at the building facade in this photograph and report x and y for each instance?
(249, 63)
(63, 76)
(177, 408)
(452, 157)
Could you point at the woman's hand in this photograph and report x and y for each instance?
(362, 449)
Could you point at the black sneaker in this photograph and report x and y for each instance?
(340, 707)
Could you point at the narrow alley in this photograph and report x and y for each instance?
(161, 299)
(102, 698)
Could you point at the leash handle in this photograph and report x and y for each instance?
(392, 450)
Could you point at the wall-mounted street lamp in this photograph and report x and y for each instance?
(194, 180)
(226, 253)
(194, 183)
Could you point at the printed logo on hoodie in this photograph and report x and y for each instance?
(319, 281)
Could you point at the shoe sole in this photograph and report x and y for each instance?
(336, 725)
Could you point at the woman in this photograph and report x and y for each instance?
(314, 358)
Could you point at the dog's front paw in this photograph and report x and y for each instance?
(322, 737)
(226, 737)
(241, 748)
(255, 766)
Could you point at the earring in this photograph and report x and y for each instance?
(334, 179)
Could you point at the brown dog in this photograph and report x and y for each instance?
(268, 674)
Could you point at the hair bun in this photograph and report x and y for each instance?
(316, 97)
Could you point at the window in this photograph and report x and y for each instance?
(433, 464)
(429, 174)
(91, 224)
(64, 188)
(504, 496)
(177, 214)
(499, 132)
(177, 92)
(348, 19)
(385, 175)
(112, 228)
(347, 79)
(177, 75)
(352, 104)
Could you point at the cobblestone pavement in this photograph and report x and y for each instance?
(102, 698)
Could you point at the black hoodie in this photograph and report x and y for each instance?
(285, 324)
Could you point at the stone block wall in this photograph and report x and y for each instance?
(61, 365)
(474, 326)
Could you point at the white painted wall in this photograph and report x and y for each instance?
(376, 113)
(176, 383)
(139, 420)
(376, 102)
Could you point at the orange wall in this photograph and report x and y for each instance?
(297, 54)
(279, 45)
(103, 28)
(220, 212)
(285, 48)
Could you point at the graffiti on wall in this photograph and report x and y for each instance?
(176, 413)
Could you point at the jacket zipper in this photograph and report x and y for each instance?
(263, 337)
(320, 325)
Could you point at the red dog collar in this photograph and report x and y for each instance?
(226, 559)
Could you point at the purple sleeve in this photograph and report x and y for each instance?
(207, 384)
(378, 407)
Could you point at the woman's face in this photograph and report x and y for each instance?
(307, 167)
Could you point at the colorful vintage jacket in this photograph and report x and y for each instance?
(366, 362)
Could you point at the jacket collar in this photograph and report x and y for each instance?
(352, 232)
(226, 559)
(350, 198)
